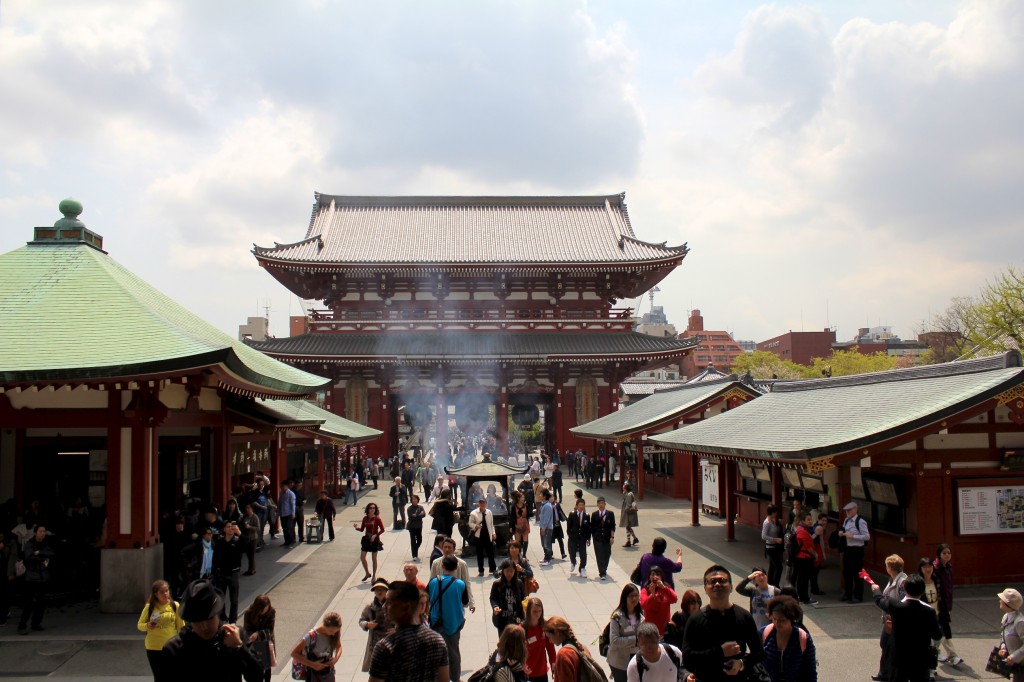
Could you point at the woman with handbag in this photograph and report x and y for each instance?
(628, 515)
(1011, 646)
(319, 650)
(371, 528)
(523, 569)
(926, 569)
(622, 632)
(507, 595)
(258, 631)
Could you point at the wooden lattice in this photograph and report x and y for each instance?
(816, 466)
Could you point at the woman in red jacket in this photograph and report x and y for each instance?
(371, 528)
(657, 599)
(540, 651)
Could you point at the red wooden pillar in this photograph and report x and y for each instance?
(730, 498)
(441, 423)
(277, 459)
(776, 474)
(114, 483)
(139, 533)
(220, 458)
(320, 483)
(501, 417)
(695, 494)
(389, 422)
(640, 467)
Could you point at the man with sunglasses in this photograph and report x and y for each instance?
(721, 640)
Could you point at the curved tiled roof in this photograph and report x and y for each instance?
(471, 345)
(320, 421)
(804, 420)
(70, 312)
(658, 408)
(469, 230)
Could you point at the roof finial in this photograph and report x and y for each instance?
(71, 208)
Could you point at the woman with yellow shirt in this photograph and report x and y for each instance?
(160, 621)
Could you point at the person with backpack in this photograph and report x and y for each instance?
(654, 661)
(789, 654)
(507, 659)
(319, 649)
(623, 632)
(573, 662)
(803, 557)
(160, 621)
(852, 537)
(448, 601)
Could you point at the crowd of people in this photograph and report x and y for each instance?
(414, 626)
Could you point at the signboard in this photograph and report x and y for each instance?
(991, 509)
(709, 484)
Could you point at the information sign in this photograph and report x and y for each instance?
(991, 509)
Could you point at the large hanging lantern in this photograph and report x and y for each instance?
(471, 417)
(525, 415)
(418, 416)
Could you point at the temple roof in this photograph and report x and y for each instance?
(457, 345)
(469, 230)
(659, 408)
(641, 388)
(70, 312)
(709, 374)
(305, 415)
(804, 420)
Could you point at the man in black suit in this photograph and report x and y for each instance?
(914, 627)
(602, 525)
(579, 536)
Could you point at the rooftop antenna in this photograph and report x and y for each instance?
(651, 293)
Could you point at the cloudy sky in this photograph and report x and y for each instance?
(829, 164)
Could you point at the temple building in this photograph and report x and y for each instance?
(930, 455)
(476, 309)
(119, 404)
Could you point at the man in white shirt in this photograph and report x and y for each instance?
(481, 525)
(655, 662)
(462, 572)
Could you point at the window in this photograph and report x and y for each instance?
(659, 463)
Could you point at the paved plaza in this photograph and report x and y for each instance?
(309, 580)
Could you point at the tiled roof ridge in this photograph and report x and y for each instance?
(682, 248)
(256, 248)
(986, 364)
(703, 384)
(398, 200)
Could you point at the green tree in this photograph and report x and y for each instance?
(991, 322)
(846, 362)
(763, 364)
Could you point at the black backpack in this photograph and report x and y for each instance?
(792, 547)
(641, 664)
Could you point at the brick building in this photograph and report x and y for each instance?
(801, 347)
(714, 347)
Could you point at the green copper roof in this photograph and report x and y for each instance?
(70, 312)
(804, 420)
(318, 420)
(657, 408)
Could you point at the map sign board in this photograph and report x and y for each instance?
(991, 509)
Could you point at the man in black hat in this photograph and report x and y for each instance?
(206, 649)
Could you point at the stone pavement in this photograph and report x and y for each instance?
(309, 580)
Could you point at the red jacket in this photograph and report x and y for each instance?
(539, 651)
(658, 605)
(806, 542)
